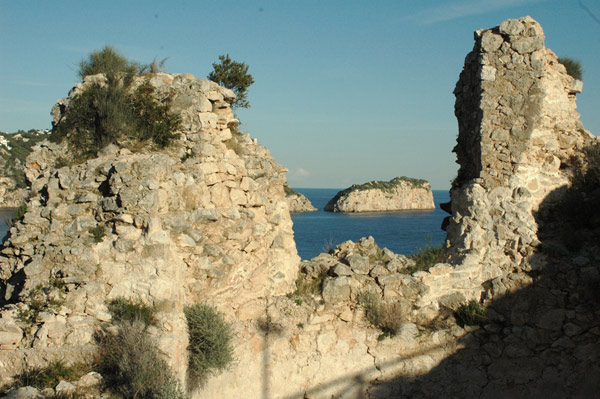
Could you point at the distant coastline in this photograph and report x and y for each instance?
(403, 232)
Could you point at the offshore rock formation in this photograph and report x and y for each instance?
(298, 203)
(204, 220)
(398, 194)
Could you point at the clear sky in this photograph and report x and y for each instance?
(346, 91)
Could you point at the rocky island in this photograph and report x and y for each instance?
(399, 194)
(297, 202)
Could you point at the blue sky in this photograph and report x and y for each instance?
(345, 92)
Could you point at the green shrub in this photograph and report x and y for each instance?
(109, 62)
(470, 314)
(132, 365)
(113, 112)
(97, 233)
(307, 286)
(47, 377)
(210, 350)
(129, 310)
(30, 314)
(154, 121)
(427, 257)
(385, 316)
(573, 67)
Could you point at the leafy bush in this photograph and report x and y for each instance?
(210, 336)
(132, 365)
(470, 314)
(112, 112)
(129, 310)
(573, 67)
(385, 316)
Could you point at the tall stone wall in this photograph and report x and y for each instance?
(519, 133)
(203, 221)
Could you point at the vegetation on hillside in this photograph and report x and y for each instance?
(233, 75)
(112, 112)
(13, 157)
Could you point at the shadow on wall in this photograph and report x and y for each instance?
(542, 338)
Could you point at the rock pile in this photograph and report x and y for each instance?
(398, 194)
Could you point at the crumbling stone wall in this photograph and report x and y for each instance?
(518, 133)
(203, 220)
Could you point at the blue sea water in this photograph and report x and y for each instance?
(5, 214)
(402, 232)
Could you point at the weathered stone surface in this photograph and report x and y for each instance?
(159, 226)
(400, 193)
(24, 393)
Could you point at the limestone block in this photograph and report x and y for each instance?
(358, 263)
(341, 270)
(65, 388)
(336, 290)
(512, 27)
(238, 197)
(89, 380)
(488, 73)
(24, 393)
(528, 44)
(128, 232)
(10, 334)
(491, 42)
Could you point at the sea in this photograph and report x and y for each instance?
(404, 232)
(5, 215)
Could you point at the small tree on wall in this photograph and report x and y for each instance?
(233, 75)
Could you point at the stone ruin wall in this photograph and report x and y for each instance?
(518, 132)
(204, 220)
(517, 126)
